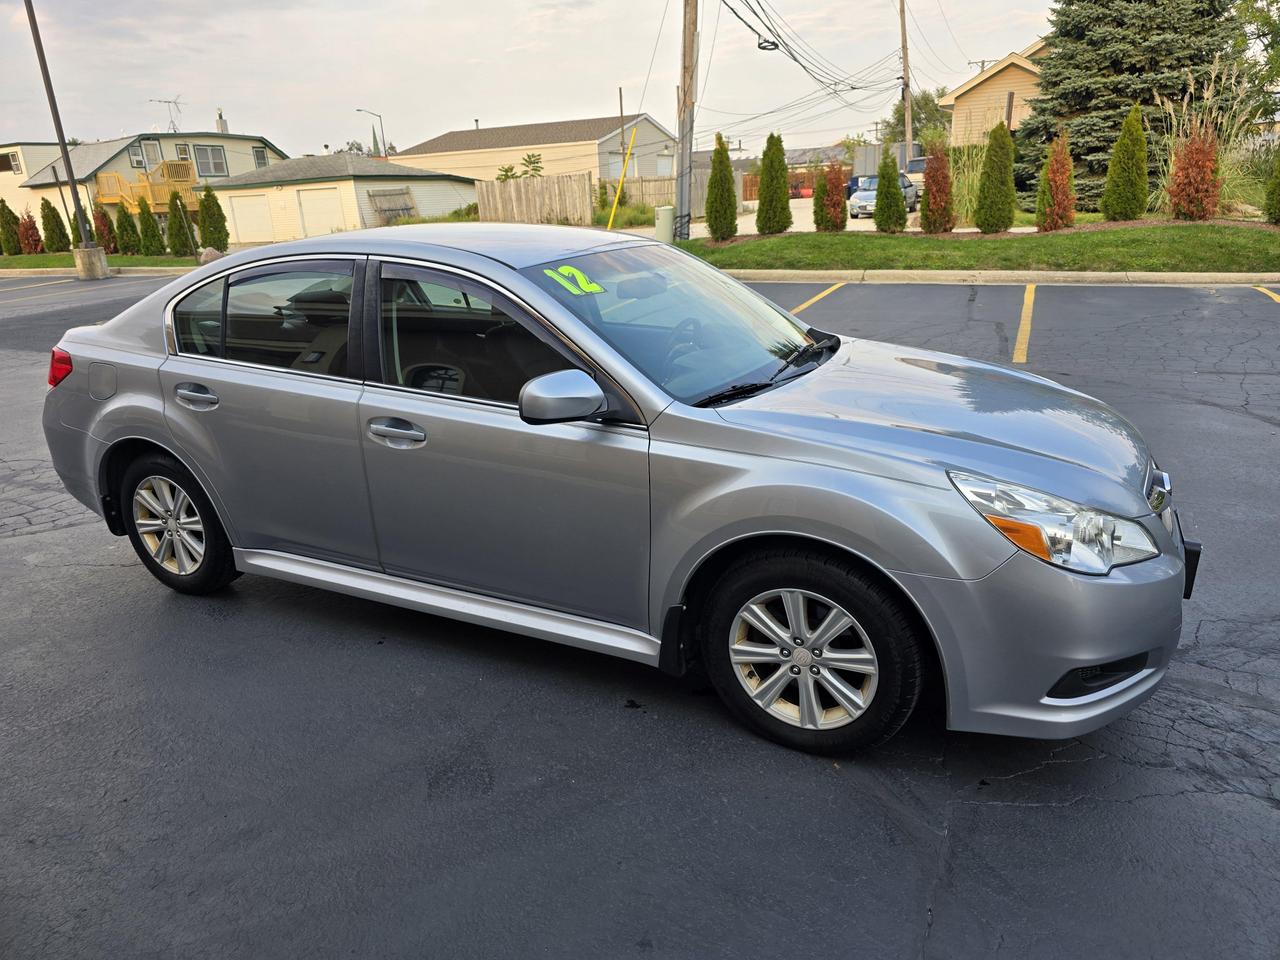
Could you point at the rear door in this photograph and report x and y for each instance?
(466, 494)
(263, 396)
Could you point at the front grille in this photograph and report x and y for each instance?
(1083, 681)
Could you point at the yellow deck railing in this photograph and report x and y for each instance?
(156, 186)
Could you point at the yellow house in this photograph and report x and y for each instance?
(122, 171)
(981, 102)
(594, 145)
(314, 196)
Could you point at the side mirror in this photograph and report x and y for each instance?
(561, 397)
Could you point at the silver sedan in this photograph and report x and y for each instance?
(601, 441)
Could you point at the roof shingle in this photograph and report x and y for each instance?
(333, 166)
(524, 135)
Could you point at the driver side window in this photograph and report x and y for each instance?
(443, 334)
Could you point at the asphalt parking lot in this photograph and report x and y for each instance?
(279, 771)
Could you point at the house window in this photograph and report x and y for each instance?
(259, 156)
(211, 161)
(151, 150)
(9, 162)
(135, 156)
(182, 151)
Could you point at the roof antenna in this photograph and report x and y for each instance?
(175, 110)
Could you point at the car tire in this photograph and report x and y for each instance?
(173, 526)
(818, 586)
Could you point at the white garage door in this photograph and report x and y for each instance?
(321, 211)
(251, 218)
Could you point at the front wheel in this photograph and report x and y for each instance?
(811, 652)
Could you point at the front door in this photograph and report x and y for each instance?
(466, 494)
(262, 399)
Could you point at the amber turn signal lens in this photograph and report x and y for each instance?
(1028, 536)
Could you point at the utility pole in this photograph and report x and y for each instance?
(980, 64)
(86, 235)
(684, 115)
(906, 86)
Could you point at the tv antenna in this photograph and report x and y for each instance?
(175, 110)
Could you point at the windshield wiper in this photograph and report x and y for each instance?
(734, 392)
(804, 354)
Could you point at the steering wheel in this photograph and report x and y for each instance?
(684, 338)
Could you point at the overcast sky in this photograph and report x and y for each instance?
(295, 72)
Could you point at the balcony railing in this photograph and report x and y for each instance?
(155, 186)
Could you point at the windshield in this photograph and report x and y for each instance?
(867, 183)
(683, 324)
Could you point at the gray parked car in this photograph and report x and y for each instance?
(862, 201)
(602, 441)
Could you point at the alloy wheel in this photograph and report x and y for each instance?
(169, 525)
(803, 659)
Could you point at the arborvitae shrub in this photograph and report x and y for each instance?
(1125, 195)
(104, 232)
(181, 241)
(127, 238)
(213, 222)
(1056, 198)
(996, 193)
(937, 213)
(9, 244)
(891, 206)
(773, 207)
(837, 207)
(29, 234)
(151, 239)
(1270, 206)
(722, 198)
(56, 239)
(1194, 186)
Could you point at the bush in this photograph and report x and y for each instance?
(151, 241)
(602, 196)
(76, 239)
(1194, 184)
(891, 206)
(104, 232)
(937, 215)
(773, 210)
(127, 238)
(56, 239)
(1270, 206)
(1056, 198)
(631, 215)
(212, 222)
(722, 199)
(1124, 197)
(9, 245)
(181, 240)
(837, 208)
(996, 194)
(821, 214)
(29, 234)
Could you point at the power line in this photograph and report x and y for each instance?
(947, 21)
(653, 56)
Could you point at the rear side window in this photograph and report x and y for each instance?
(295, 318)
(197, 319)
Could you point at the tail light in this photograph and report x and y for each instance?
(59, 366)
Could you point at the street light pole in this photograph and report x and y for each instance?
(86, 235)
(381, 128)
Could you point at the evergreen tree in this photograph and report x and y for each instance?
(29, 234)
(1270, 206)
(773, 210)
(127, 238)
(996, 194)
(722, 198)
(937, 211)
(213, 222)
(151, 240)
(377, 150)
(1124, 197)
(9, 245)
(891, 206)
(837, 206)
(181, 239)
(1103, 56)
(1056, 198)
(56, 239)
(104, 232)
(75, 233)
(821, 217)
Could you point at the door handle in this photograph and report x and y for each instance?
(397, 433)
(196, 396)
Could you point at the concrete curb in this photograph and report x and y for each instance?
(991, 277)
(113, 271)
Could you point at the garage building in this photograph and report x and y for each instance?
(313, 196)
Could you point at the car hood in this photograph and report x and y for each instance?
(875, 401)
(865, 196)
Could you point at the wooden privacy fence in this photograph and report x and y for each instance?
(563, 199)
(797, 180)
(661, 191)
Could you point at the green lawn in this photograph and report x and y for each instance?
(1195, 247)
(29, 260)
(1021, 218)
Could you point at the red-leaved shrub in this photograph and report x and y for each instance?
(1056, 202)
(104, 230)
(1194, 185)
(29, 233)
(837, 209)
(937, 213)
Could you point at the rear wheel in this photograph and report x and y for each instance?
(173, 527)
(810, 652)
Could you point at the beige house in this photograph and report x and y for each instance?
(594, 145)
(313, 196)
(981, 102)
(120, 172)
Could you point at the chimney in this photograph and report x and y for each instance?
(221, 123)
(477, 123)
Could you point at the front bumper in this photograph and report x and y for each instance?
(1010, 638)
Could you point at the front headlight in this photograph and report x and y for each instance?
(1056, 530)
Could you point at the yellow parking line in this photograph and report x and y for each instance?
(812, 300)
(1024, 328)
(44, 283)
(1266, 292)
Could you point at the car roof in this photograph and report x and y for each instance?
(518, 245)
